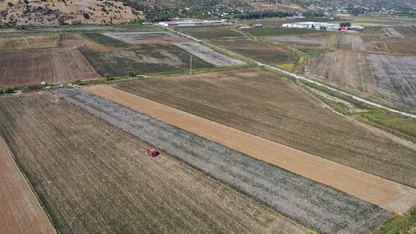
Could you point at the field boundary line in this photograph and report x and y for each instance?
(382, 192)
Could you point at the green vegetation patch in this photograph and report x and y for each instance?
(143, 59)
(258, 32)
(104, 40)
(400, 224)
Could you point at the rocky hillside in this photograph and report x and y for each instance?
(61, 12)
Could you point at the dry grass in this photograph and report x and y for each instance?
(35, 41)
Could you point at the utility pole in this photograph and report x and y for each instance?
(190, 65)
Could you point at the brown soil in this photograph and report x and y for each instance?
(387, 194)
(76, 40)
(374, 44)
(95, 178)
(348, 41)
(405, 46)
(26, 67)
(262, 103)
(321, 66)
(20, 210)
(71, 65)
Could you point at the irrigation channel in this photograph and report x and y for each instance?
(298, 76)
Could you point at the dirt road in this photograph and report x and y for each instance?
(384, 193)
(20, 211)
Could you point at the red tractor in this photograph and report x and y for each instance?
(152, 152)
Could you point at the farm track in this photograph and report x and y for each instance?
(318, 206)
(387, 194)
(20, 210)
(93, 178)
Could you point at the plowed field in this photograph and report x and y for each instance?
(20, 210)
(95, 178)
(146, 37)
(263, 104)
(23, 67)
(374, 44)
(405, 46)
(348, 41)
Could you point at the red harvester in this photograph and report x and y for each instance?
(152, 152)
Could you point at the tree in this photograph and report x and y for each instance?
(108, 77)
(131, 74)
(86, 16)
(345, 24)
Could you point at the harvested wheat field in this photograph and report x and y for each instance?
(94, 178)
(384, 193)
(374, 44)
(20, 210)
(404, 46)
(264, 104)
(313, 204)
(35, 41)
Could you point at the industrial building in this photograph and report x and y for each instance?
(193, 23)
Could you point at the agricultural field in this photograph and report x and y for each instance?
(105, 40)
(348, 41)
(208, 54)
(259, 32)
(403, 46)
(406, 31)
(20, 210)
(212, 32)
(262, 103)
(70, 65)
(142, 59)
(94, 178)
(260, 51)
(374, 44)
(29, 41)
(146, 37)
(319, 40)
(395, 78)
(76, 40)
(23, 67)
(355, 76)
(391, 32)
(329, 210)
(321, 66)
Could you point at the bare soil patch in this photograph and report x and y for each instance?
(374, 44)
(348, 41)
(12, 42)
(20, 210)
(262, 103)
(395, 78)
(391, 32)
(209, 55)
(76, 40)
(321, 66)
(405, 46)
(260, 51)
(71, 65)
(406, 31)
(142, 59)
(146, 37)
(314, 40)
(329, 210)
(95, 178)
(18, 67)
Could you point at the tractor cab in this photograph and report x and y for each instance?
(152, 152)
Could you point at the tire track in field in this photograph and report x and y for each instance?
(384, 193)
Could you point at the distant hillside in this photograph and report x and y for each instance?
(60, 12)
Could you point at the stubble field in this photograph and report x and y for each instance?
(23, 67)
(404, 46)
(319, 40)
(374, 44)
(260, 51)
(20, 210)
(92, 177)
(135, 38)
(329, 210)
(21, 42)
(263, 104)
(348, 41)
